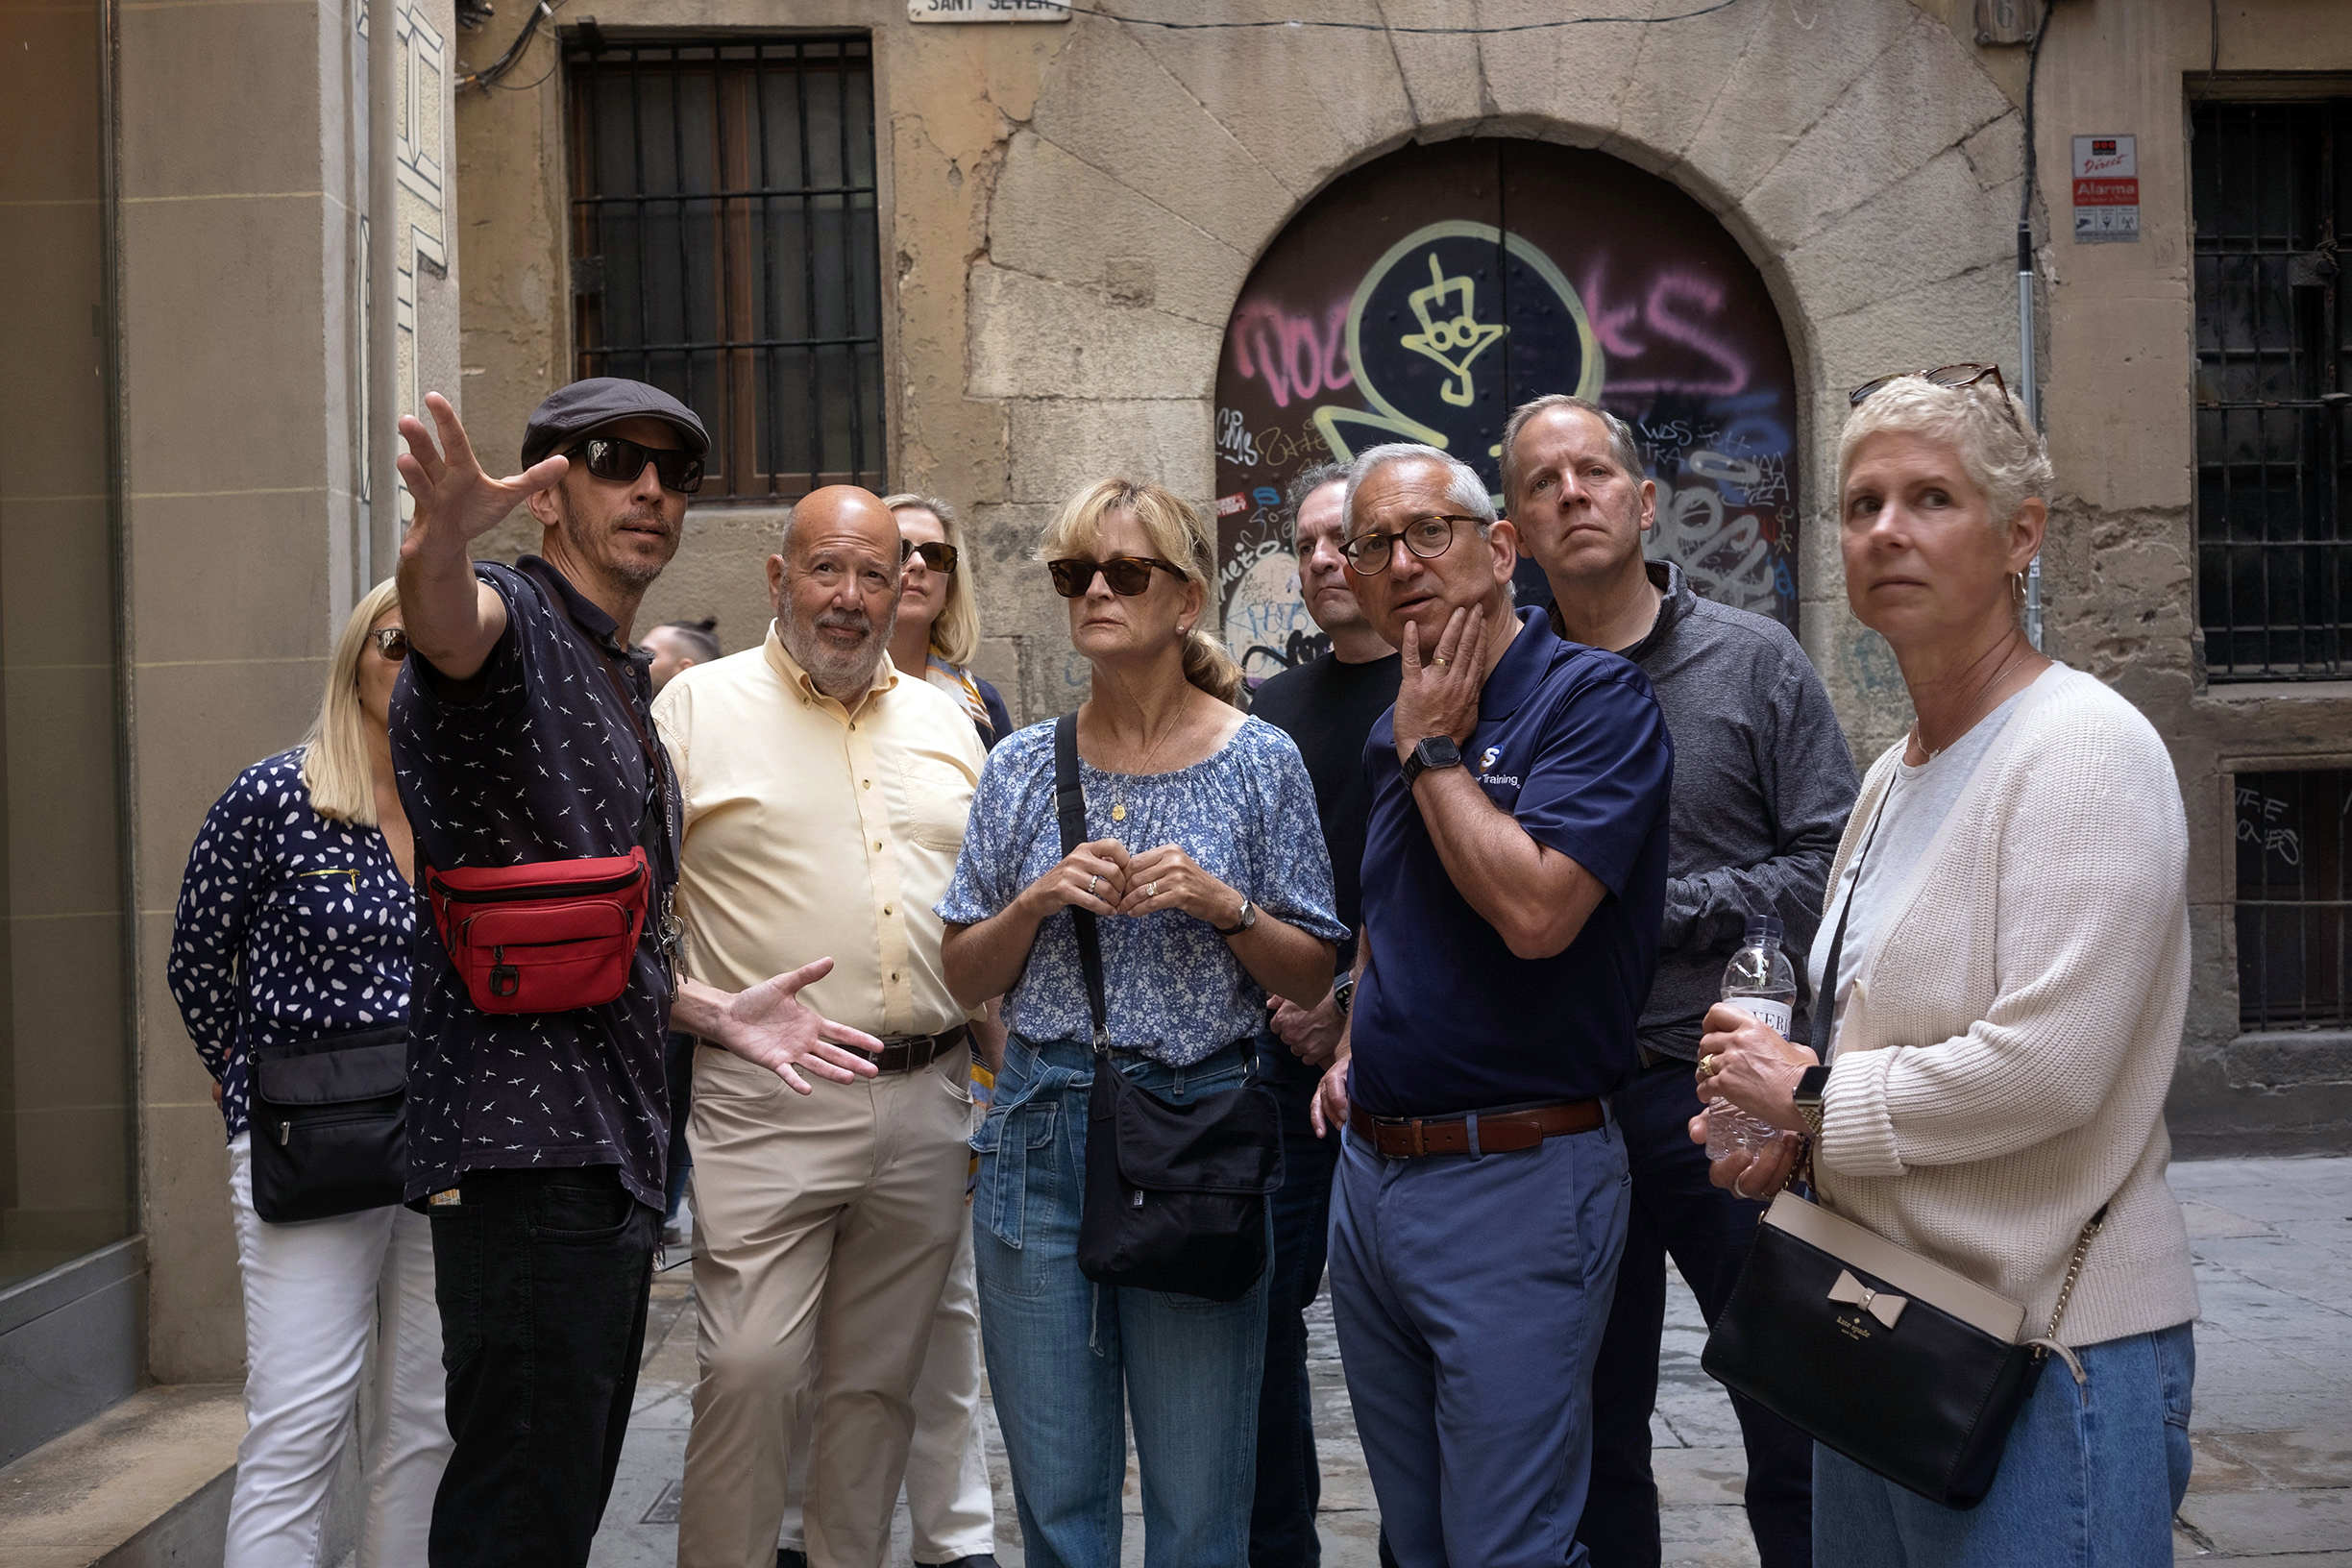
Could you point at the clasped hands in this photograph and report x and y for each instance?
(1105, 877)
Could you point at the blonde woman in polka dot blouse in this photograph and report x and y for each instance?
(296, 920)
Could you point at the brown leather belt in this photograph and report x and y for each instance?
(915, 1051)
(1498, 1132)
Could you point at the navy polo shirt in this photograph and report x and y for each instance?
(534, 758)
(1571, 743)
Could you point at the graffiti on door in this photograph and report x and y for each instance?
(1426, 295)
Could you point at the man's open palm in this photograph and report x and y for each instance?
(446, 479)
(768, 1024)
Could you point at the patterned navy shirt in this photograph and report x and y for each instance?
(289, 927)
(534, 758)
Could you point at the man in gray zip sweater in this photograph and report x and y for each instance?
(1763, 783)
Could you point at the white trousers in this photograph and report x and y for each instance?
(317, 1293)
(946, 1474)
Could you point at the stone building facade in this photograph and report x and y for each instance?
(997, 259)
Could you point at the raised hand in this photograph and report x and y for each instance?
(453, 494)
(1440, 696)
(768, 1024)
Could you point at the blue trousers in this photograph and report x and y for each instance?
(1068, 1359)
(2090, 1478)
(1470, 1295)
(1289, 1475)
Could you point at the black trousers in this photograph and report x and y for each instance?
(1677, 1210)
(1289, 1478)
(542, 1278)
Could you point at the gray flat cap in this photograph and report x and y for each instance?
(570, 412)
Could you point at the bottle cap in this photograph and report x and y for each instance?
(1762, 929)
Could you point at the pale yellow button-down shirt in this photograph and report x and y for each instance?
(812, 831)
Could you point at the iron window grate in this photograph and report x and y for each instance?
(2272, 182)
(726, 247)
(2294, 903)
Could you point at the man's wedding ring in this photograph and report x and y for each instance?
(1441, 663)
(1708, 1067)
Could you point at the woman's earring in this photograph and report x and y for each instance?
(2017, 587)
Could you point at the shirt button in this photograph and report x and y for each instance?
(893, 974)
(885, 909)
(877, 843)
(865, 783)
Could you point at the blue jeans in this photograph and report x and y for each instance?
(1290, 1476)
(1059, 1348)
(2090, 1478)
(1470, 1295)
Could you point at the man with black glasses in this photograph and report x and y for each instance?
(522, 740)
(1514, 871)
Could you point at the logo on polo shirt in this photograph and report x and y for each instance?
(1493, 752)
(1487, 774)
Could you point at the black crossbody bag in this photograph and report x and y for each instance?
(329, 1123)
(1908, 1369)
(1175, 1195)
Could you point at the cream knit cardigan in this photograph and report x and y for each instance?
(2002, 1066)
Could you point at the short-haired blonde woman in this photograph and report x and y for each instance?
(2007, 999)
(295, 921)
(939, 624)
(1204, 865)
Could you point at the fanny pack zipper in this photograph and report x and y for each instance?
(544, 890)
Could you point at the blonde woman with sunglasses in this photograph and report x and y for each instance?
(294, 923)
(939, 624)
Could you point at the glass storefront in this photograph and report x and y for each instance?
(65, 1079)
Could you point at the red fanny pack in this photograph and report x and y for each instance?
(547, 937)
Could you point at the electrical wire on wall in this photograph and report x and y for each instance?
(488, 76)
(2028, 384)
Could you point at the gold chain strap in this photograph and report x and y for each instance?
(2082, 1247)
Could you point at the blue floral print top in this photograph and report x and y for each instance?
(1174, 990)
(289, 926)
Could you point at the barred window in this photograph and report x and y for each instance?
(2272, 188)
(725, 247)
(2293, 895)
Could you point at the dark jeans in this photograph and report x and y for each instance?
(677, 1065)
(1677, 1210)
(1289, 1479)
(542, 1278)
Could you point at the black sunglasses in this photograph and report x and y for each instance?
(392, 642)
(1127, 574)
(1954, 376)
(609, 458)
(938, 557)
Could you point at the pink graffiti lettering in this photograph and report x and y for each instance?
(1288, 353)
(1658, 312)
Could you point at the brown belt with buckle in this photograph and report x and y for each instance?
(915, 1051)
(1498, 1132)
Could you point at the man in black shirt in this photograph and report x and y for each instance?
(1327, 706)
(521, 734)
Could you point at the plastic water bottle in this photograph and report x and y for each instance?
(1759, 982)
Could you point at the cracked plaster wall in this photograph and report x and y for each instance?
(1070, 210)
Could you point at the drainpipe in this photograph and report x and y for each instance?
(2028, 388)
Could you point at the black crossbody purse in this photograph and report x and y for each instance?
(1175, 1195)
(1908, 1369)
(329, 1123)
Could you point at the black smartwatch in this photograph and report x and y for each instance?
(1808, 1097)
(1432, 751)
(1343, 993)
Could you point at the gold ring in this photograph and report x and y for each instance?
(1708, 1067)
(1441, 663)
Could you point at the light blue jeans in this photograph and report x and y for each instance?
(1059, 1348)
(2090, 1478)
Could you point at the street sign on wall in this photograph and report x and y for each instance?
(1423, 297)
(988, 11)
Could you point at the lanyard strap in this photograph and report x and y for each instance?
(1069, 804)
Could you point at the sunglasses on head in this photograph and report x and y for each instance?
(392, 642)
(1955, 376)
(938, 557)
(1127, 574)
(610, 458)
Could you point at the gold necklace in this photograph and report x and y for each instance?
(1118, 802)
(1918, 737)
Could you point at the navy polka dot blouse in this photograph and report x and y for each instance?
(289, 926)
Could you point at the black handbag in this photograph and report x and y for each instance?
(1907, 1368)
(330, 1124)
(1175, 1195)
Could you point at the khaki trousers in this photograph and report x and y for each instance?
(833, 1213)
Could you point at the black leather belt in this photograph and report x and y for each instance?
(914, 1051)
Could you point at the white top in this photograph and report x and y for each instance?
(1917, 802)
(2002, 1061)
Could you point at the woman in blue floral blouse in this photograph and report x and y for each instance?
(1204, 866)
(295, 920)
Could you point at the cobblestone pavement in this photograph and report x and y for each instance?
(2272, 1430)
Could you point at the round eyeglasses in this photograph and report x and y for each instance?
(1368, 554)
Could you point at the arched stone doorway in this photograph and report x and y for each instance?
(1425, 295)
